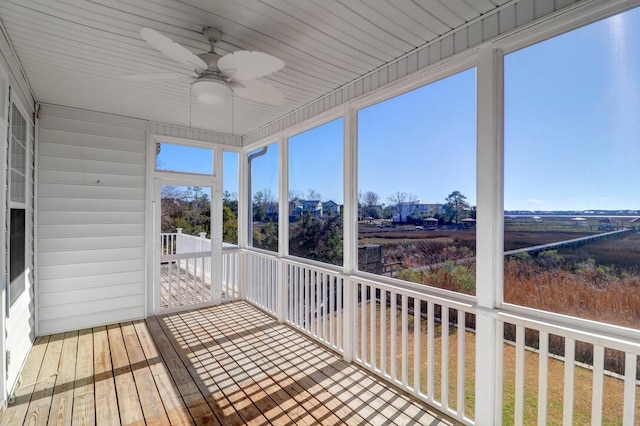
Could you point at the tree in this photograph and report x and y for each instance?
(318, 238)
(403, 204)
(370, 201)
(312, 194)
(229, 218)
(454, 208)
(189, 210)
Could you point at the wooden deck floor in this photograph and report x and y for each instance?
(228, 364)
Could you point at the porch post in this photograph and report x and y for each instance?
(490, 239)
(283, 228)
(350, 225)
(215, 227)
(243, 224)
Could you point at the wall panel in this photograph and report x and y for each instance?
(91, 219)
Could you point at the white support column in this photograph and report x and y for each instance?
(243, 223)
(490, 239)
(350, 218)
(283, 227)
(216, 229)
(350, 205)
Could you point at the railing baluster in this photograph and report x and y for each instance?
(325, 307)
(172, 299)
(332, 310)
(372, 328)
(314, 305)
(363, 322)
(569, 371)
(321, 306)
(394, 335)
(444, 354)
(340, 284)
(307, 300)
(630, 371)
(383, 331)
(519, 385)
(431, 364)
(598, 385)
(417, 348)
(461, 361)
(405, 340)
(543, 377)
(301, 293)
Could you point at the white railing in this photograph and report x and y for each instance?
(425, 343)
(186, 271)
(230, 267)
(589, 356)
(416, 342)
(315, 302)
(191, 244)
(262, 274)
(383, 324)
(168, 243)
(183, 282)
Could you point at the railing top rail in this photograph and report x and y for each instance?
(327, 269)
(261, 252)
(419, 293)
(587, 336)
(181, 256)
(569, 321)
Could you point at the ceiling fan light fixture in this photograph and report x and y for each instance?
(211, 91)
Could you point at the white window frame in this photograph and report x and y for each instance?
(14, 104)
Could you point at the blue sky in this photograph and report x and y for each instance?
(572, 119)
(572, 131)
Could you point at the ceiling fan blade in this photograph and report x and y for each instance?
(258, 91)
(159, 76)
(172, 49)
(248, 65)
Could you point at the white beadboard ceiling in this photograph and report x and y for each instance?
(73, 52)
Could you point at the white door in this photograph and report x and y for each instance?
(185, 262)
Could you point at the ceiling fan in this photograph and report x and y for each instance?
(215, 77)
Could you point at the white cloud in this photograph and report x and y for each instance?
(535, 201)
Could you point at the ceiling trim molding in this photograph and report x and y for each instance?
(500, 21)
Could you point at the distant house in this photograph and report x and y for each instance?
(579, 221)
(416, 210)
(469, 222)
(608, 224)
(431, 222)
(272, 211)
(312, 207)
(315, 208)
(330, 207)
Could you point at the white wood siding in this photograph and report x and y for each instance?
(18, 327)
(91, 219)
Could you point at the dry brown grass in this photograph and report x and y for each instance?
(586, 293)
